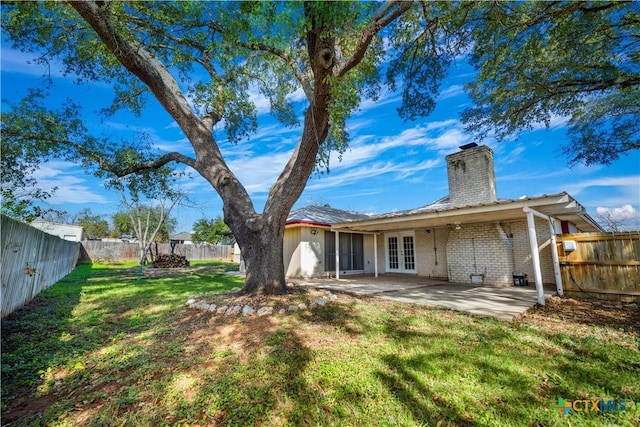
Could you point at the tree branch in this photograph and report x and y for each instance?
(149, 70)
(103, 163)
(389, 12)
(300, 75)
(156, 163)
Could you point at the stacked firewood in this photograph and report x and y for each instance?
(170, 261)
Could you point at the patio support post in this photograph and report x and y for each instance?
(554, 248)
(337, 255)
(533, 242)
(375, 254)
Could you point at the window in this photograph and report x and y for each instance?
(351, 251)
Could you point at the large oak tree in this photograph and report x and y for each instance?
(200, 61)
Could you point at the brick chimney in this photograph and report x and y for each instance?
(472, 180)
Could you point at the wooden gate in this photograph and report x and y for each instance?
(606, 263)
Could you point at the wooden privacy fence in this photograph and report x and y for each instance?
(32, 260)
(94, 250)
(606, 263)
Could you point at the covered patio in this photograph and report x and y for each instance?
(499, 302)
(550, 210)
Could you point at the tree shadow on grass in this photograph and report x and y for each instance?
(35, 337)
(265, 383)
(55, 349)
(425, 405)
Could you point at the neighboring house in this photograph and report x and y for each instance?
(73, 233)
(183, 238)
(469, 236)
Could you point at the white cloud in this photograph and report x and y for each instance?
(512, 156)
(620, 214)
(180, 144)
(71, 188)
(384, 98)
(259, 172)
(354, 175)
(14, 61)
(555, 122)
(451, 92)
(452, 138)
(442, 124)
(261, 102)
(607, 181)
(297, 96)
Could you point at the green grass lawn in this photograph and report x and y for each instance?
(105, 346)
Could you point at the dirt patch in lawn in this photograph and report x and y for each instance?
(563, 312)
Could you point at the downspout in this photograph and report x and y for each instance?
(556, 258)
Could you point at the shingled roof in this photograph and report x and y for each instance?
(322, 215)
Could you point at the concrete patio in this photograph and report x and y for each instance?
(499, 302)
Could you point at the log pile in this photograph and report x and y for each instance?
(170, 261)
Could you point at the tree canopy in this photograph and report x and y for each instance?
(544, 61)
(210, 231)
(149, 219)
(95, 227)
(201, 61)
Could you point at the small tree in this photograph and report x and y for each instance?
(618, 219)
(147, 221)
(95, 227)
(147, 214)
(210, 230)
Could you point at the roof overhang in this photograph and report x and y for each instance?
(306, 224)
(559, 206)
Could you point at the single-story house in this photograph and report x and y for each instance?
(468, 236)
(182, 238)
(73, 233)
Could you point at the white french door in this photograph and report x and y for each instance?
(401, 255)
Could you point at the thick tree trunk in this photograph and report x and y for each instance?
(263, 256)
(261, 237)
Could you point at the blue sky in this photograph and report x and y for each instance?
(391, 164)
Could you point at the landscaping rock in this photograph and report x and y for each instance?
(281, 311)
(264, 311)
(211, 307)
(247, 310)
(233, 311)
(318, 301)
(302, 306)
(222, 309)
(191, 301)
(292, 308)
(201, 305)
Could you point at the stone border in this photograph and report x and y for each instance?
(248, 310)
